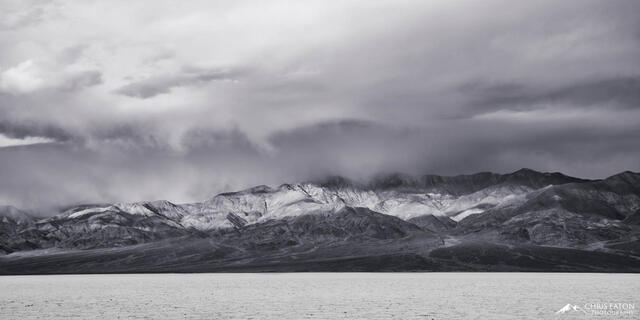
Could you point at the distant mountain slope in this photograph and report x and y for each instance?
(573, 214)
(425, 223)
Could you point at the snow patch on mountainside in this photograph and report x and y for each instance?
(466, 213)
(84, 212)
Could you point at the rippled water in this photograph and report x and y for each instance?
(313, 295)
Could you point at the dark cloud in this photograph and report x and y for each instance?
(201, 140)
(362, 149)
(82, 80)
(333, 88)
(154, 86)
(31, 129)
(618, 92)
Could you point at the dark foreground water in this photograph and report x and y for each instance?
(321, 296)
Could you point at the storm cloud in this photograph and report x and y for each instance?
(120, 101)
(154, 86)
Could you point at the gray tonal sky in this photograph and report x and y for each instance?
(141, 100)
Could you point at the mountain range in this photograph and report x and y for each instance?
(521, 221)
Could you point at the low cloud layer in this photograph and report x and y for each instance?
(167, 100)
(156, 85)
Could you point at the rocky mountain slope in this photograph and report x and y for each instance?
(525, 220)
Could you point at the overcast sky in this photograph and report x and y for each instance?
(141, 100)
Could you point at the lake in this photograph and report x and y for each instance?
(320, 296)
